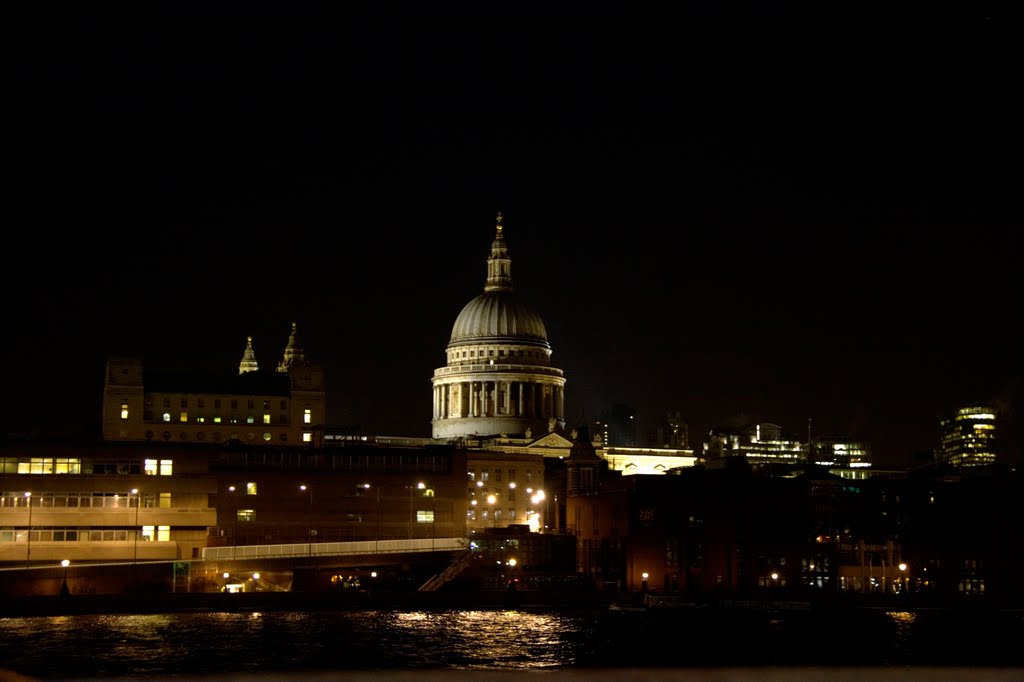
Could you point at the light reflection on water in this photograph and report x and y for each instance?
(192, 645)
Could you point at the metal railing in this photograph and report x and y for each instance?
(318, 549)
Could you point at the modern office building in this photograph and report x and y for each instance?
(761, 444)
(841, 452)
(969, 437)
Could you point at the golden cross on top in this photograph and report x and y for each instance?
(499, 221)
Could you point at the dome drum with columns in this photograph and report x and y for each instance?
(498, 378)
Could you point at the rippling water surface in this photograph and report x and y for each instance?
(292, 644)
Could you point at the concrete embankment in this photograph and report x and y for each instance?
(295, 601)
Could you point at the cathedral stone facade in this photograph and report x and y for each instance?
(498, 380)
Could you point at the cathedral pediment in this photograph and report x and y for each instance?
(551, 440)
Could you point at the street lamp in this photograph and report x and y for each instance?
(309, 524)
(643, 584)
(135, 553)
(234, 522)
(64, 591)
(903, 575)
(255, 582)
(28, 537)
(491, 499)
(535, 522)
(419, 486)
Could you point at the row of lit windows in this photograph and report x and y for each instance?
(148, 533)
(93, 500)
(70, 465)
(183, 418)
(307, 414)
(40, 465)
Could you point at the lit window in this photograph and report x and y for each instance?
(124, 410)
(246, 515)
(166, 467)
(307, 416)
(167, 416)
(267, 437)
(250, 488)
(424, 516)
(163, 533)
(266, 419)
(183, 417)
(151, 467)
(307, 437)
(250, 419)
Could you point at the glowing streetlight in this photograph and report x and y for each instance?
(64, 591)
(643, 585)
(536, 499)
(28, 537)
(255, 582)
(419, 486)
(491, 499)
(309, 521)
(903, 575)
(135, 552)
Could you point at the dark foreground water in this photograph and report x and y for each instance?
(583, 645)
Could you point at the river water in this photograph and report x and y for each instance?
(579, 644)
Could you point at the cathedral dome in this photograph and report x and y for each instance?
(498, 315)
(498, 377)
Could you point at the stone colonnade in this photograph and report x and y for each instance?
(498, 398)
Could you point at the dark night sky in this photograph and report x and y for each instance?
(730, 219)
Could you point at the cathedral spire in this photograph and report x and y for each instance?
(499, 265)
(248, 363)
(293, 353)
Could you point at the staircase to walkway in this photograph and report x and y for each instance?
(448, 574)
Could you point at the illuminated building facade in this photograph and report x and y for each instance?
(137, 503)
(760, 444)
(840, 452)
(114, 502)
(498, 379)
(280, 407)
(505, 489)
(969, 437)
